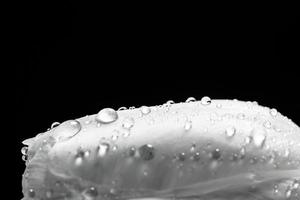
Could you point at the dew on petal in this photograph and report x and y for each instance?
(106, 116)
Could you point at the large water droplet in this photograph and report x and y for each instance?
(145, 110)
(190, 99)
(230, 131)
(107, 115)
(205, 101)
(259, 138)
(69, 129)
(147, 152)
(103, 149)
(90, 193)
(128, 123)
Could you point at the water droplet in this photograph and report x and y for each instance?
(242, 153)
(49, 194)
(170, 102)
(296, 184)
(275, 189)
(230, 131)
(145, 110)
(219, 105)
(78, 160)
(188, 125)
(193, 147)
(196, 156)
(147, 152)
(103, 149)
(107, 115)
(288, 193)
(241, 116)
(131, 151)
(114, 137)
(248, 139)
(205, 101)
(24, 158)
(273, 112)
(259, 138)
(216, 154)
(145, 173)
(54, 124)
(24, 150)
(115, 148)
(180, 156)
(122, 108)
(90, 193)
(267, 124)
(126, 133)
(31, 193)
(128, 123)
(190, 99)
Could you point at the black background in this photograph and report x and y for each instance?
(75, 58)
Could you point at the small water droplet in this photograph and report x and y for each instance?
(248, 139)
(180, 156)
(170, 102)
(216, 154)
(205, 101)
(114, 137)
(126, 133)
(288, 193)
(122, 108)
(241, 116)
(267, 124)
(54, 124)
(145, 110)
(259, 138)
(128, 123)
(196, 156)
(103, 149)
(131, 151)
(147, 152)
(190, 99)
(219, 105)
(31, 193)
(24, 150)
(24, 158)
(273, 112)
(145, 173)
(115, 148)
(49, 194)
(242, 153)
(107, 115)
(230, 131)
(90, 193)
(193, 147)
(275, 189)
(188, 125)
